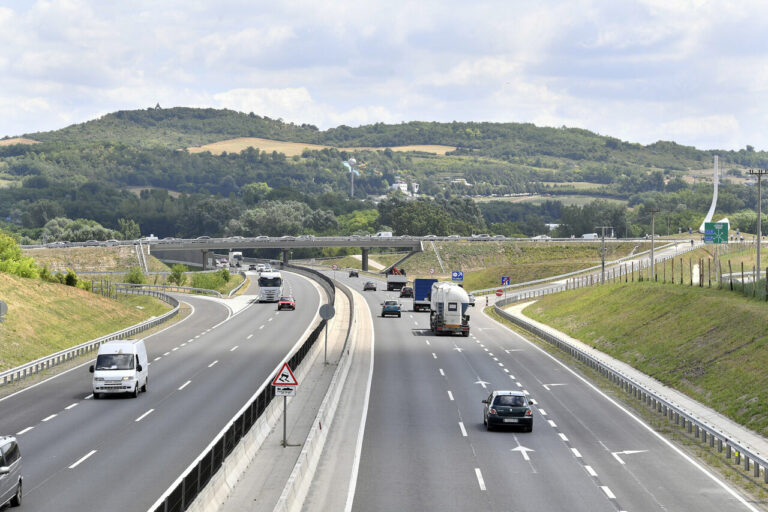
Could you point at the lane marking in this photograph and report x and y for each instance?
(434, 355)
(88, 397)
(591, 471)
(49, 417)
(450, 395)
(506, 370)
(480, 479)
(184, 385)
(463, 430)
(197, 336)
(21, 432)
(261, 327)
(576, 453)
(427, 341)
(73, 466)
(183, 344)
(234, 348)
(270, 319)
(501, 364)
(442, 372)
(542, 412)
(490, 354)
(70, 406)
(552, 424)
(190, 340)
(563, 437)
(144, 415)
(157, 358)
(213, 363)
(519, 384)
(167, 354)
(174, 349)
(608, 492)
(249, 336)
(495, 358)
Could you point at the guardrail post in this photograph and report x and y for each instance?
(696, 431)
(719, 445)
(727, 451)
(738, 457)
(746, 463)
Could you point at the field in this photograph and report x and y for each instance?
(92, 259)
(297, 148)
(711, 344)
(17, 140)
(44, 318)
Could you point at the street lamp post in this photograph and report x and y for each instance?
(653, 236)
(759, 173)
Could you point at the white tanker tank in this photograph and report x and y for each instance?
(448, 309)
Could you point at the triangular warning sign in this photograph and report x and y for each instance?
(285, 377)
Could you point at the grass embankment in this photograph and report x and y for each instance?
(710, 344)
(44, 318)
(93, 259)
(484, 263)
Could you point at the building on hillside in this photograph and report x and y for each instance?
(401, 186)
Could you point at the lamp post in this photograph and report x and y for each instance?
(350, 165)
(759, 173)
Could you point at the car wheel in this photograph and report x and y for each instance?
(398, 315)
(136, 391)
(144, 387)
(95, 395)
(16, 500)
(465, 333)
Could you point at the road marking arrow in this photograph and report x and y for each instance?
(523, 450)
(482, 383)
(625, 452)
(458, 349)
(547, 386)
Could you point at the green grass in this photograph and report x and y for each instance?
(708, 343)
(44, 318)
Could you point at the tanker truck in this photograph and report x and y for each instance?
(448, 309)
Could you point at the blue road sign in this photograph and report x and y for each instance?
(457, 275)
(504, 280)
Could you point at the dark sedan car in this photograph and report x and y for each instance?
(406, 292)
(369, 285)
(507, 409)
(286, 303)
(354, 273)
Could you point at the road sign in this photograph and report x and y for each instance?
(716, 232)
(431, 271)
(499, 292)
(285, 377)
(327, 312)
(457, 275)
(285, 390)
(504, 280)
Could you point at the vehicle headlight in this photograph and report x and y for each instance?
(127, 378)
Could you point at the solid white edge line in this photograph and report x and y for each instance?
(480, 480)
(450, 395)
(184, 385)
(647, 427)
(49, 417)
(361, 431)
(70, 406)
(463, 430)
(73, 466)
(144, 415)
(22, 432)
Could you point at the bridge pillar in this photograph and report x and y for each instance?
(365, 259)
(285, 256)
(205, 258)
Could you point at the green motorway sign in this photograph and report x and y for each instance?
(716, 232)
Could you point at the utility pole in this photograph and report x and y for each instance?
(653, 241)
(759, 173)
(602, 254)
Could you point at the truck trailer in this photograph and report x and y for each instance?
(422, 289)
(396, 278)
(448, 309)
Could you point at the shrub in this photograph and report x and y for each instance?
(177, 274)
(224, 274)
(135, 276)
(71, 278)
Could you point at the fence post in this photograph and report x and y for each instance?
(633, 271)
(742, 277)
(766, 298)
(682, 279)
(730, 274)
(690, 270)
(673, 270)
(709, 271)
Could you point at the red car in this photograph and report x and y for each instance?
(286, 303)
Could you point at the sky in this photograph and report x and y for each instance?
(691, 71)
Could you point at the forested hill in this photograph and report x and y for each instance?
(182, 127)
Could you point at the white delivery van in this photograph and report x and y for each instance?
(383, 234)
(121, 367)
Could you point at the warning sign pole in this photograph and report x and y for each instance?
(285, 384)
(285, 420)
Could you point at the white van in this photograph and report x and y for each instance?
(121, 367)
(383, 234)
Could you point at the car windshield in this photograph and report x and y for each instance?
(288, 299)
(510, 400)
(270, 281)
(391, 303)
(114, 362)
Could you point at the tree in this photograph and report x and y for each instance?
(252, 193)
(128, 228)
(135, 276)
(177, 274)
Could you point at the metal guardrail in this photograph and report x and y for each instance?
(187, 487)
(166, 288)
(669, 410)
(237, 288)
(44, 363)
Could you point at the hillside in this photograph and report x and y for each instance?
(298, 148)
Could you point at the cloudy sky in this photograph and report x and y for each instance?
(692, 71)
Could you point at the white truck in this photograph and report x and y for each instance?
(448, 309)
(270, 286)
(396, 278)
(235, 258)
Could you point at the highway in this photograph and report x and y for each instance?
(121, 454)
(425, 446)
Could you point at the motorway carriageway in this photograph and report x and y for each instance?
(120, 454)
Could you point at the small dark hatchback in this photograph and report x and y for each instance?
(507, 409)
(406, 291)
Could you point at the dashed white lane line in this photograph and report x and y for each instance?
(89, 397)
(576, 453)
(519, 384)
(251, 335)
(157, 358)
(563, 436)
(490, 354)
(495, 358)
(501, 364)
(506, 370)
(415, 322)
(167, 354)
(269, 319)
(552, 424)
(463, 430)
(428, 340)
(480, 479)
(234, 348)
(542, 412)
(184, 385)
(72, 406)
(450, 395)
(190, 340)
(184, 344)
(144, 415)
(591, 471)
(261, 327)
(21, 432)
(511, 376)
(49, 417)
(442, 372)
(608, 492)
(197, 336)
(73, 466)
(213, 363)
(434, 355)
(174, 349)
